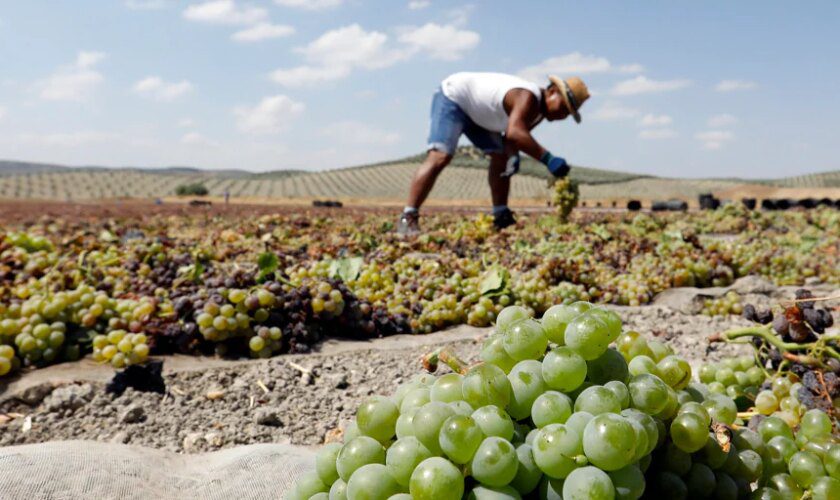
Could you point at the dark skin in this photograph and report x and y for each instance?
(523, 111)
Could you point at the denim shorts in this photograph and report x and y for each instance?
(448, 122)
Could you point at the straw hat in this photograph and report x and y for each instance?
(574, 93)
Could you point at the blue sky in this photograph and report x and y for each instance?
(695, 89)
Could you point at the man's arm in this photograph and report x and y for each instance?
(523, 109)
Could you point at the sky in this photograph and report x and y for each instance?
(682, 89)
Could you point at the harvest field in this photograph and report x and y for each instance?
(335, 309)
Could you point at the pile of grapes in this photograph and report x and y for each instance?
(729, 303)
(565, 196)
(571, 407)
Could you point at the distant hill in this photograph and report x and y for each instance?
(465, 178)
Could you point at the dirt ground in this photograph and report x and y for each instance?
(211, 404)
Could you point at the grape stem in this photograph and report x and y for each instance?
(446, 356)
(766, 333)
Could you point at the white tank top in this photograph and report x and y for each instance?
(481, 96)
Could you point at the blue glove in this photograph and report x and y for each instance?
(556, 165)
(512, 166)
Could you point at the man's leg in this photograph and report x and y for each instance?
(499, 186)
(425, 176)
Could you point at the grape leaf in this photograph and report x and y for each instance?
(346, 269)
(267, 263)
(494, 281)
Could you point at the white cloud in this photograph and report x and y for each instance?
(263, 31)
(196, 139)
(351, 132)
(460, 16)
(145, 4)
(418, 4)
(734, 85)
(613, 111)
(158, 89)
(714, 139)
(74, 82)
(224, 12)
(644, 85)
(721, 120)
(651, 120)
(657, 134)
(68, 140)
(575, 63)
(444, 42)
(272, 115)
(309, 4)
(186, 123)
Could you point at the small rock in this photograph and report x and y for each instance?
(306, 378)
(337, 381)
(133, 414)
(214, 439)
(69, 397)
(215, 394)
(267, 416)
(192, 442)
(35, 394)
(120, 438)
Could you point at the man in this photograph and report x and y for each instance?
(497, 113)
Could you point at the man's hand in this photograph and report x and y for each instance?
(556, 165)
(512, 166)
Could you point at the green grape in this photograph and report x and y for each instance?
(308, 486)
(551, 407)
(689, 432)
(563, 369)
(707, 373)
(400, 496)
(767, 494)
(447, 388)
(774, 426)
(621, 392)
(596, 400)
(611, 319)
(525, 340)
(671, 405)
(700, 481)
(781, 386)
(766, 403)
(377, 418)
(404, 426)
(482, 492)
(495, 462)
(557, 450)
(461, 408)
(641, 437)
(650, 426)
(415, 398)
(676, 460)
(528, 473)
(726, 376)
(629, 482)
(750, 465)
(747, 439)
(674, 371)
(588, 483)
(486, 385)
(588, 336)
(555, 320)
(526, 384)
(659, 350)
(825, 488)
(493, 352)
(832, 461)
(427, 423)
(668, 485)
(648, 393)
(609, 441)
(351, 432)
(520, 433)
(510, 315)
(403, 390)
(436, 479)
(357, 452)
(725, 487)
(493, 421)
(721, 408)
(403, 456)
(814, 423)
(609, 366)
(805, 467)
(698, 409)
(371, 482)
(578, 420)
(786, 486)
(550, 489)
(338, 491)
(325, 463)
(459, 438)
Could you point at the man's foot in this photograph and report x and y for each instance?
(504, 219)
(409, 224)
